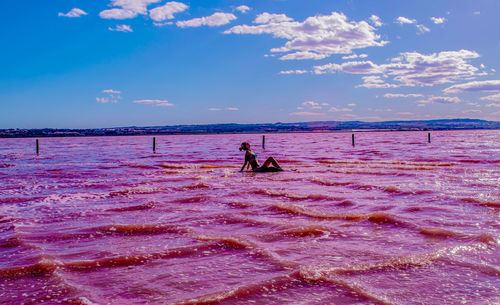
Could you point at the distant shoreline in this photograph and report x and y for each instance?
(301, 127)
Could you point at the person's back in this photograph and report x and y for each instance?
(251, 158)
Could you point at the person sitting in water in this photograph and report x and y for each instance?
(251, 159)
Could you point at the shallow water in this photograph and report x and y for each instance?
(393, 220)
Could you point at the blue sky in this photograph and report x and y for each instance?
(108, 63)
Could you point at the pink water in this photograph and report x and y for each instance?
(393, 220)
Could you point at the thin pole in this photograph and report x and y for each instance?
(429, 137)
(263, 142)
(154, 144)
(352, 139)
(37, 147)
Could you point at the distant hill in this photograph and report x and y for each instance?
(321, 126)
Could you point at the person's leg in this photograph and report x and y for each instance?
(269, 161)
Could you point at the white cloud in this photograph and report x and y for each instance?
(375, 20)
(243, 9)
(438, 20)
(109, 99)
(117, 13)
(397, 95)
(375, 82)
(335, 109)
(361, 118)
(160, 103)
(311, 104)
(316, 37)
(493, 105)
(220, 109)
(271, 18)
(121, 28)
(445, 99)
(306, 113)
(111, 91)
(471, 111)
(383, 110)
(422, 29)
(353, 56)
(127, 9)
(494, 98)
(163, 23)
(411, 69)
(102, 100)
(74, 13)
(475, 86)
(111, 96)
(217, 19)
(404, 20)
(405, 113)
(303, 55)
(293, 72)
(351, 105)
(477, 13)
(440, 99)
(353, 67)
(167, 11)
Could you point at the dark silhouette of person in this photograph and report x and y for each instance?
(251, 160)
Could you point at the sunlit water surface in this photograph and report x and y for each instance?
(393, 220)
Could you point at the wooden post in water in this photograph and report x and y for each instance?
(429, 137)
(154, 145)
(263, 142)
(352, 139)
(37, 147)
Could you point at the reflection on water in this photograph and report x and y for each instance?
(393, 220)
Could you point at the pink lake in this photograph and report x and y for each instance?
(393, 220)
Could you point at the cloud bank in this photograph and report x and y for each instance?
(411, 69)
(316, 37)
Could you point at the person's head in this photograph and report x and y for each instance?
(245, 146)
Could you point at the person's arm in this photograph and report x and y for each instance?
(244, 164)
